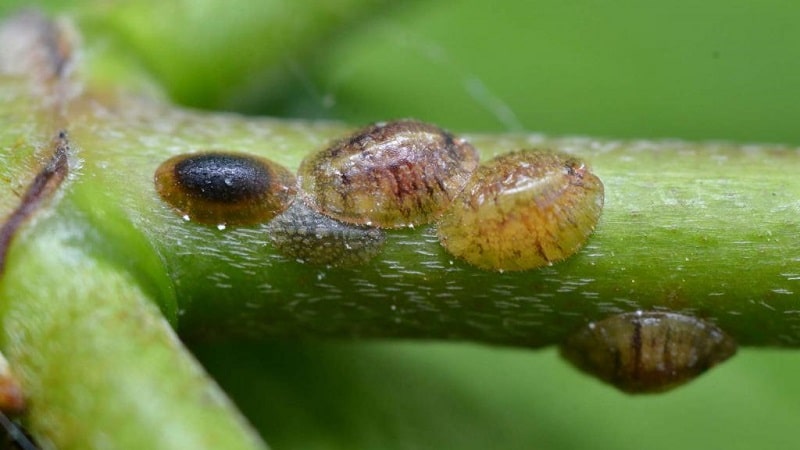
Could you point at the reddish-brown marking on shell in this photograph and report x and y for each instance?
(388, 175)
(523, 210)
(643, 352)
(221, 188)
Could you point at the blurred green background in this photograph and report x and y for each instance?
(627, 69)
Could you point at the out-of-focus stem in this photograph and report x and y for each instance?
(100, 366)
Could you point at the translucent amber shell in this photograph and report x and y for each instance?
(523, 210)
(388, 175)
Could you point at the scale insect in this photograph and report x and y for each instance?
(643, 352)
(222, 188)
(388, 175)
(305, 235)
(523, 210)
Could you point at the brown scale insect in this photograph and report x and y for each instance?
(304, 234)
(643, 352)
(388, 175)
(523, 210)
(221, 188)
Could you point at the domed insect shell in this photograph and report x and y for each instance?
(388, 175)
(305, 235)
(643, 352)
(523, 210)
(224, 188)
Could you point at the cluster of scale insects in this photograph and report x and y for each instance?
(519, 211)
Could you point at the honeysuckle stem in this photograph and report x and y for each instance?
(100, 366)
(704, 229)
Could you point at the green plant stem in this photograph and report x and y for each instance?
(703, 229)
(78, 329)
(700, 228)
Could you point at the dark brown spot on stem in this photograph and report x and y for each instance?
(43, 186)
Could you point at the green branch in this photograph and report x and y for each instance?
(703, 229)
(708, 230)
(78, 329)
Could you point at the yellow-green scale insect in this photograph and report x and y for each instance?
(388, 175)
(523, 210)
(222, 188)
(643, 352)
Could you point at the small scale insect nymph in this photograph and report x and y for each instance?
(220, 188)
(305, 235)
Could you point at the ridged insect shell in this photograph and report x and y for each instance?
(523, 210)
(304, 234)
(643, 352)
(388, 175)
(222, 188)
